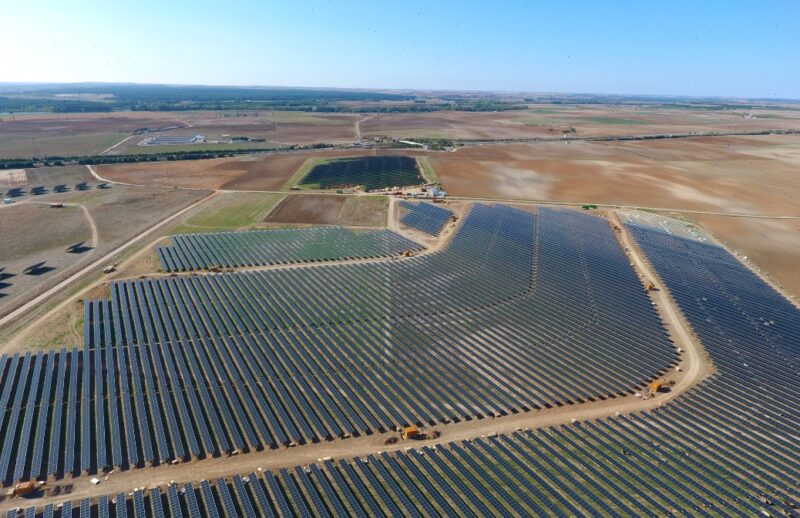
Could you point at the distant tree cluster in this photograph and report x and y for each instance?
(151, 157)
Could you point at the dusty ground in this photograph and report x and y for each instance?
(69, 134)
(586, 120)
(92, 133)
(39, 245)
(754, 175)
(320, 209)
(267, 172)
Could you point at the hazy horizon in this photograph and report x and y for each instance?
(684, 49)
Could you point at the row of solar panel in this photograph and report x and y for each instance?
(523, 474)
(268, 247)
(240, 382)
(726, 448)
(425, 217)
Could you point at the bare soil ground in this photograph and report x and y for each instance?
(39, 245)
(586, 120)
(754, 175)
(322, 209)
(312, 208)
(41, 135)
(67, 134)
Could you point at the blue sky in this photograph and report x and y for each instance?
(725, 48)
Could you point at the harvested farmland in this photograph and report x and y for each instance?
(371, 173)
(322, 209)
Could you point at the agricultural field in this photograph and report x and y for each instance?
(371, 173)
(41, 135)
(229, 211)
(322, 209)
(551, 121)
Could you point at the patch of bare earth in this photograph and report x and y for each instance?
(317, 209)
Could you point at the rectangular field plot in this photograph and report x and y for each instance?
(425, 217)
(267, 247)
(373, 172)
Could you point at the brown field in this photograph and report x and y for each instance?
(68, 134)
(321, 209)
(41, 135)
(587, 120)
(755, 175)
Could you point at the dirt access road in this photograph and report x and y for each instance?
(694, 367)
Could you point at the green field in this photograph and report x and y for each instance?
(229, 211)
(427, 169)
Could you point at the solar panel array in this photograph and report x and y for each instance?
(373, 172)
(425, 217)
(185, 367)
(610, 467)
(726, 448)
(267, 247)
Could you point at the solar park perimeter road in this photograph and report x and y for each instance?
(518, 312)
(726, 448)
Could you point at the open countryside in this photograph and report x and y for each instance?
(280, 301)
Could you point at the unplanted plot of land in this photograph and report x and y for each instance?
(321, 209)
(755, 175)
(38, 245)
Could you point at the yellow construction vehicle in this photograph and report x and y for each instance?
(655, 387)
(410, 432)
